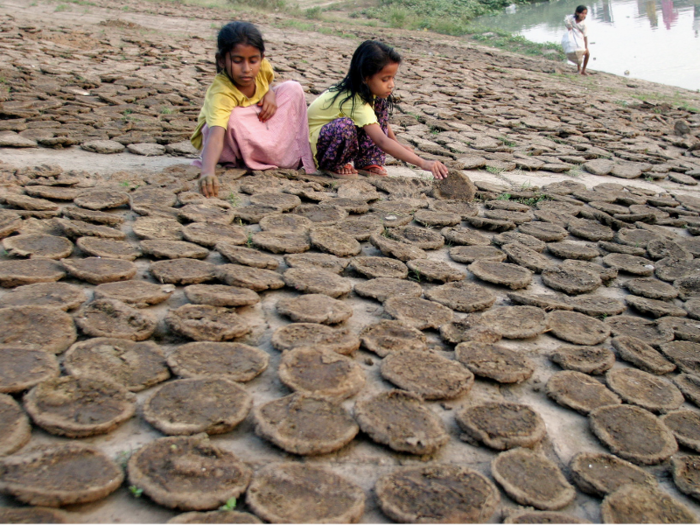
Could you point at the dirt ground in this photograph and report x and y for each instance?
(514, 124)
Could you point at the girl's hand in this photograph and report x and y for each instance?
(269, 106)
(209, 184)
(437, 168)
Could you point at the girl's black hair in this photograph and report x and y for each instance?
(235, 33)
(580, 9)
(368, 59)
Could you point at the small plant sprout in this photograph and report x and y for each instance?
(415, 276)
(229, 505)
(507, 142)
(122, 457)
(249, 240)
(234, 199)
(135, 491)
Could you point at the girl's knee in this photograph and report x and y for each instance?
(339, 124)
(292, 87)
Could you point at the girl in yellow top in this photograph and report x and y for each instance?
(245, 120)
(349, 122)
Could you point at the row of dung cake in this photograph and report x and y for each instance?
(358, 264)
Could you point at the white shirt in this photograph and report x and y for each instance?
(579, 30)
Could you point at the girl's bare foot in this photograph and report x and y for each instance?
(584, 73)
(344, 172)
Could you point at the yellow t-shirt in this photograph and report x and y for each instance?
(222, 96)
(323, 110)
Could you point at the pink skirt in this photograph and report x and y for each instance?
(281, 142)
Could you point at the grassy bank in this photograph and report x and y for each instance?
(447, 17)
(450, 17)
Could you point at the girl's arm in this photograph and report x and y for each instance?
(393, 148)
(269, 106)
(213, 146)
(390, 134)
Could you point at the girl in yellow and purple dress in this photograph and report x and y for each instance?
(349, 122)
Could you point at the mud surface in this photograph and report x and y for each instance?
(543, 170)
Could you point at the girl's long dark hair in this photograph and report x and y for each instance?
(235, 33)
(369, 59)
(580, 9)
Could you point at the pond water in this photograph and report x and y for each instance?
(656, 40)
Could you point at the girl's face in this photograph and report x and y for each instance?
(242, 64)
(381, 84)
(582, 15)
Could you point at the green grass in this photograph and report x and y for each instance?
(454, 17)
(229, 505)
(527, 202)
(234, 199)
(676, 101)
(266, 5)
(313, 13)
(427, 14)
(533, 200)
(514, 43)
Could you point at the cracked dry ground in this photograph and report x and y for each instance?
(367, 350)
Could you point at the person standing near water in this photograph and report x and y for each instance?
(578, 34)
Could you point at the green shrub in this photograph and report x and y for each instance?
(314, 13)
(262, 4)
